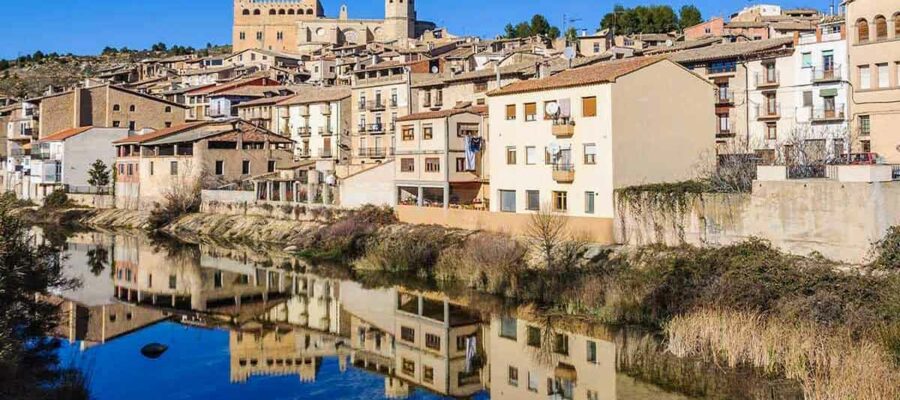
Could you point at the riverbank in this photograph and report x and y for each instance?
(675, 290)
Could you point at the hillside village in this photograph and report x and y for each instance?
(305, 109)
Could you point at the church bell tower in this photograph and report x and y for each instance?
(399, 19)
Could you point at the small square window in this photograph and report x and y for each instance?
(532, 200)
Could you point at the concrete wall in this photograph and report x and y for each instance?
(840, 220)
(232, 202)
(81, 151)
(372, 186)
(598, 230)
(102, 201)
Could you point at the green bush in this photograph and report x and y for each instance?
(57, 199)
(886, 252)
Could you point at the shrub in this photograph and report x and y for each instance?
(416, 249)
(8, 201)
(886, 252)
(57, 199)
(178, 201)
(489, 262)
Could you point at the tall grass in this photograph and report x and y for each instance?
(829, 363)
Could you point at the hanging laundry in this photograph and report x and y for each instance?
(471, 344)
(470, 153)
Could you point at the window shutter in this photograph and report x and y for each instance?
(589, 107)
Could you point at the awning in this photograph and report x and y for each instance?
(566, 372)
(828, 92)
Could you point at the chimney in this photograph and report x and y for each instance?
(497, 72)
(542, 70)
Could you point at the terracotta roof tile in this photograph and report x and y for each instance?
(316, 94)
(65, 134)
(482, 110)
(589, 75)
(137, 139)
(729, 50)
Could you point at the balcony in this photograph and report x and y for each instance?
(563, 127)
(393, 103)
(768, 111)
(822, 115)
(375, 105)
(361, 105)
(724, 133)
(564, 173)
(326, 131)
(304, 131)
(304, 153)
(767, 79)
(375, 129)
(721, 70)
(373, 152)
(822, 75)
(724, 97)
(325, 152)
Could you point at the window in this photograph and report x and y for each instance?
(719, 67)
(460, 164)
(530, 155)
(865, 146)
(243, 35)
(151, 168)
(533, 338)
(407, 165)
(409, 367)
(481, 87)
(880, 27)
(220, 167)
(433, 341)
(407, 334)
(168, 109)
(560, 201)
(897, 25)
(508, 327)
(130, 169)
(427, 132)
(408, 133)
(865, 125)
(116, 107)
(561, 344)
(724, 125)
(432, 164)
(245, 167)
(427, 374)
(130, 125)
(532, 381)
(271, 166)
(592, 351)
(258, 37)
(508, 200)
(807, 98)
(884, 77)
(862, 31)
(131, 108)
(173, 168)
(168, 124)
(865, 81)
(530, 111)
(589, 202)
(532, 200)
(172, 281)
(590, 154)
(117, 124)
(596, 48)
(510, 156)
(807, 60)
(510, 112)
(513, 376)
(589, 107)
(771, 131)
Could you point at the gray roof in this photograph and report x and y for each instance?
(730, 50)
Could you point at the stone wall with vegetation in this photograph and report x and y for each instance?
(839, 220)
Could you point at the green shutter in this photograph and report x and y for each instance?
(828, 92)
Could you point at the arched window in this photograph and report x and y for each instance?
(168, 109)
(309, 11)
(256, 12)
(897, 25)
(116, 107)
(282, 12)
(862, 30)
(246, 12)
(272, 12)
(291, 12)
(880, 27)
(131, 108)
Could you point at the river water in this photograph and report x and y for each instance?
(238, 322)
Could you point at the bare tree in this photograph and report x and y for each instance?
(549, 235)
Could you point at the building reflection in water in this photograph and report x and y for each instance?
(283, 321)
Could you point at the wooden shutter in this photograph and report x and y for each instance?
(589, 107)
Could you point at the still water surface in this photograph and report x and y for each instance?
(242, 323)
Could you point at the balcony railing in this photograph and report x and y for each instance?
(304, 131)
(721, 69)
(361, 105)
(375, 129)
(564, 173)
(373, 152)
(374, 105)
(827, 75)
(325, 152)
(767, 79)
(563, 127)
(724, 132)
(769, 110)
(393, 102)
(827, 114)
(325, 131)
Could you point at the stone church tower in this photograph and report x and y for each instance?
(400, 19)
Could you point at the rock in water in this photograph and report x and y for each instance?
(154, 350)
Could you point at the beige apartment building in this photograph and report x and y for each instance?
(437, 164)
(106, 106)
(874, 61)
(317, 119)
(213, 153)
(381, 95)
(566, 142)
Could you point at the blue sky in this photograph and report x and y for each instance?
(86, 26)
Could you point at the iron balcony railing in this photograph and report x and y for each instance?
(724, 97)
(768, 78)
(771, 109)
(325, 131)
(828, 114)
(373, 152)
(830, 74)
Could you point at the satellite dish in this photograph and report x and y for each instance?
(434, 69)
(552, 109)
(330, 180)
(669, 43)
(569, 53)
(554, 148)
